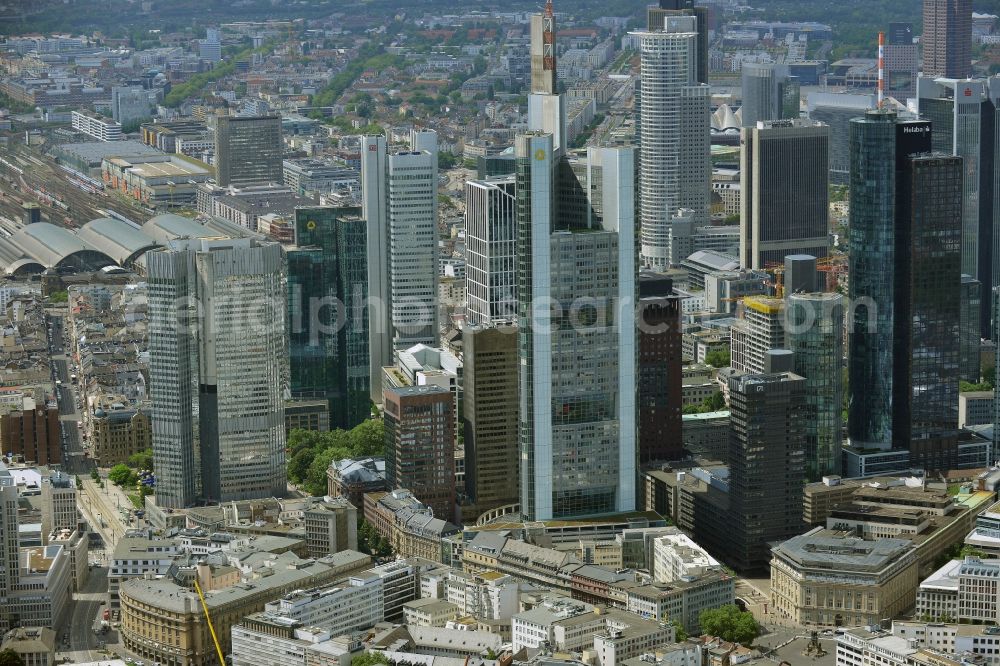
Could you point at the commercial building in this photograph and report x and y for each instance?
(659, 392)
(836, 111)
(815, 332)
(248, 150)
(117, 434)
(905, 241)
(947, 38)
(677, 558)
(675, 169)
(970, 341)
(490, 416)
(307, 176)
(975, 408)
(350, 606)
(767, 464)
(328, 312)
(865, 647)
(354, 479)
(97, 126)
(761, 330)
(784, 192)
(130, 105)
(162, 180)
(963, 118)
(829, 578)
(36, 646)
(59, 498)
(331, 526)
(656, 19)
(32, 430)
(226, 367)
(485, 596)
(769, 93)
(261, 638)
(901, 62)
(961, 591)
(409, 525)
(399, 203)
(490, 251)
(420, 441)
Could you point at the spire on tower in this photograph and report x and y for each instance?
(548, 8)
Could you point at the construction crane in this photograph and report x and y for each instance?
(208, 619)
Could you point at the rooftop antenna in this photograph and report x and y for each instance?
(881, 69)
(548, 8)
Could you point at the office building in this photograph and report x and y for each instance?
(947, 39)
(328, 312)
(96, 126)
(761, 330)
(217, 349)
(905, 264)
(659, 370)
(248, 150)
(656, 19)
(59, 499)
(784, 191)
(836, 110)
(767, 464)
(420, 445)
(546, 107)
(10, 571)
(675, 166)
(490, 251)
(578, 366)
(815, 331)
(399, 204)
(262, 638)
(830, 578)
(901, 62)
(130, 106)
(963, 590)
(331, 526)
(210, 48)
(490, 416)
(116, 434)
(32, 430)
(963, 116)
(970, 342)
(769, 93)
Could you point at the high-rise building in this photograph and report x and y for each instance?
(660, 361)
(210, 48)
(420, 445)
(59, 498)
(32, 430)
(901, 62)
(767, 463)
(10, 567)
(490, 251)
(963, 115)
(217, 365)
(947, 40)
(769, 93)
(656, 18)
(784, 191)
(328, 312)
(675, 168)
(761, 330)
(905, 267)
(399, 204)
(489, 413)
(969, 341)
(815, 330)
(248, 150)
(130, 106)
(836, 110)
(577, 363)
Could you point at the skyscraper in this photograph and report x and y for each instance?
(420, 445)
(901, 62)
(769, 93)
(905, 267)
(656, 18)
(10, 568)
(399, 204)
(969, 334)
(964, 115)
(761, 330)
(947, 40)
(659, 370)
(490, 251)
(675, 169)
(784, 191)
(217, 349)
(837, 110)
(489, 382)
(577, 362)
(767, 465)
(130, 105)
(248, 150)
(815, 332)
(328, 312)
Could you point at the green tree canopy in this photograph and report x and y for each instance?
(311, 452)
(121, 475)
(10, 658)
(718, 358)
(141, 460)
(370, 659)
(730, 624)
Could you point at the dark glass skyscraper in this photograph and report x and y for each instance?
(905, 240)
(328, 313)
(947, 40)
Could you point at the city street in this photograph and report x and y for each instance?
(74, 461)
(85, 617)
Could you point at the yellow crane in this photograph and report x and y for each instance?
(208, 618)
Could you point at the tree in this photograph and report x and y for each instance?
(730, 624)
(10, 658)
(370, 659)
(718, 358)
(368, 438)
(121, 475)
(94, 475)
(141, 460)
(715, 402)
(680, 634)
(989, 374)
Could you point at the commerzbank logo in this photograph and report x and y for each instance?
(310, 225)
(540, 154)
